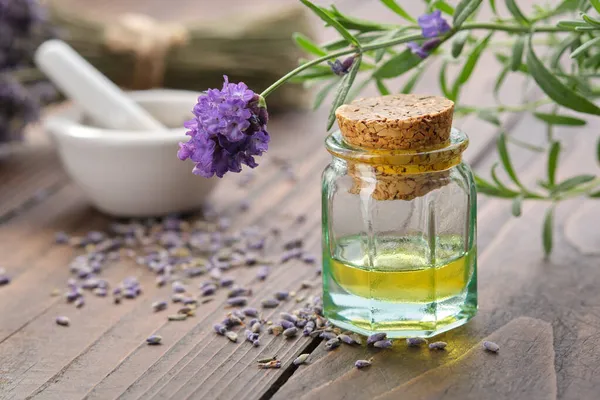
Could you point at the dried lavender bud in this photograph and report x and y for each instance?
(188, 301)
(383, 344)
(262, 273)
(415, 342)
(332, 343)
(208, 291)
(327, 335)
(231, 321)
(250, 312)
(129, 294)
(376, 337)
(301, 323)
(301, 359)
(306, 285)
(251, 336)
(491, 346)
(290, 332)
(232, 336)
(308, 328)
(293, 244)
(309, 259)
(226, 282)
(347, 339)
(270, 365)
(239, 314)
(318, 310)
(286, 324)
(63, 321)
(239, 291)
(237, 301)
(300, 299)
(275, 330)
(187, 310)
(154, 339)
(177, 287)
(362, 363)
(80, 302)
(290, 254)
(177, 298)
(266, 360)
(256, 327)
(177, 317)
(269, 303)
(318, 271)
(437, 345)
(72, 295)
(256, 343)
(61, 238)
(288, 317)
(194, 271)
(220, 329)
(282, 295)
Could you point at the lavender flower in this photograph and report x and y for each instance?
(17, 106)
(362, 363)
(228, 130)
(424, 50)
(341, 68)
(433, 24)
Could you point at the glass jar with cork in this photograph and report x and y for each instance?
(399, 219)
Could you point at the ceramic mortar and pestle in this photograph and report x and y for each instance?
(121, 148)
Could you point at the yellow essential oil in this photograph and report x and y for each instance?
(405, 286)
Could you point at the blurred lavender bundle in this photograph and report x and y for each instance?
(23, 27)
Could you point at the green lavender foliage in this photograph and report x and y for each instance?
(565, 69)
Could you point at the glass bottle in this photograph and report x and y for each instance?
(399, 220)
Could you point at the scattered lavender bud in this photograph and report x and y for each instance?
(266, 360)
(4, 280)
(177, 298)
(239, 314)
(262, 273)
(63, 321)
(220, 329)
(187, 310)
(161, 280)
(154, 339)
(383, 344)
(286, 324)
(290, 332)
(80, 302)
(332, 343)
(232, 336)
(308, 328)
(293, 244)
(415, 342)
(90, 283)
(129, 293)
(177, 317)
(491, 346)
(301, 359)
(270, 365)
(61, 238)
(256, 327)
(251, 336)
(281, 295)
(159, 305)
(116, 291)
(362, 363)
(327, 335)
(318, 271)
(194, 271)
(256, 343)
(306, 285)
(300, 219)
(239, 291)
(288, 317)
(177, 287)
(269, 303)
(208, 291)
(301, 323)
(318, 310)
(189, 301)
(275, 330)
(376, 337)
(250, 312)
(437, 345)
(231, 321)
(226, 282)
(347, 339)
(72, 295)
(309, 259)
(237, 301)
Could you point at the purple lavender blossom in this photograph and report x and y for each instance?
(228, 130)
(17, 108)
(341, 68)
(433, 24)
(424, 50)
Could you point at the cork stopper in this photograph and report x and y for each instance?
(397, 122)
(406, 127)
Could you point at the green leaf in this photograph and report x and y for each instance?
(572, 24)
(547, 231)
(308, 45)
(458, 43)
(552, 163)
(383, 90)
(469, 66)
(489, 189)
(561, 49)
(397, 65)
(444, 7)
(571, 183)
(463, 10)
(516, 206)
(516, 12)
(595, 195)
(591, 21)
(505, 159)
(517, 53)
(493, 7)
(326, 16)
(584, 47)
(556, 119)
(489, 117)
(322, 93)
(499, 183)
(500, 81)
(345, 85)
(596, 5)
(554, 88)
(443, 81)
(395, 7)
(410, 84)
(358, 24)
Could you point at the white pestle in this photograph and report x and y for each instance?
(99, 98)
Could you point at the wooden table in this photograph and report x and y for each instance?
(544, 314)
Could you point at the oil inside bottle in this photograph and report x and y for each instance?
(404, 287)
